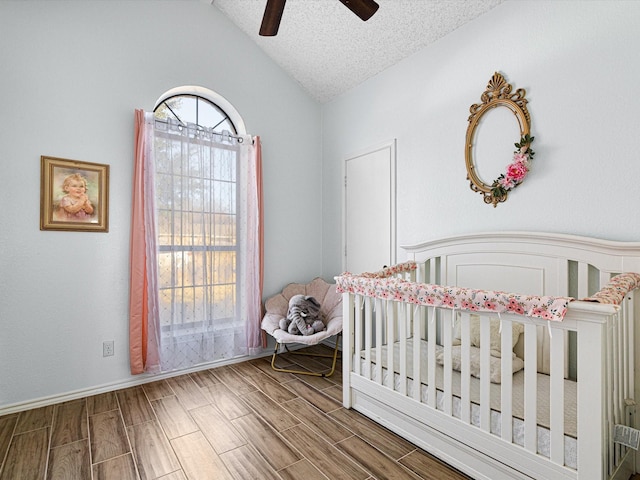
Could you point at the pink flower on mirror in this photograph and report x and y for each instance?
(517, 171)
(506, 182)
(521, 158)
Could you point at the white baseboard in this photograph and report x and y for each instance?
(132, 382)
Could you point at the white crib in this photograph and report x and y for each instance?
(430, 371)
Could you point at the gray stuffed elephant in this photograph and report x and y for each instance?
(303, 316)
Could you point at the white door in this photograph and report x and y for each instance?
(369, 213)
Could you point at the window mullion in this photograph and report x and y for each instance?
(184, 213)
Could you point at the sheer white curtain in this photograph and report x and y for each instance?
(202, 236)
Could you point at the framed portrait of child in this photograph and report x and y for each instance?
(74, 195)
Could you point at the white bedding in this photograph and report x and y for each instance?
(517, 396)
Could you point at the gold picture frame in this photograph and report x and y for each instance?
(74, 195)
(498, 94)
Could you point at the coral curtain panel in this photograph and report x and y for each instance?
(143, 323)
(196, 246)
(255, 246)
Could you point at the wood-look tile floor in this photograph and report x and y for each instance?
(242, 421)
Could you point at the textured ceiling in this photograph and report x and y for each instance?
(329, 50)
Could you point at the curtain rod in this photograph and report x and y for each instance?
(225, 133)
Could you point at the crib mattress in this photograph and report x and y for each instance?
(543, 395)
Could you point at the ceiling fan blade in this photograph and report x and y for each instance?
(271, 19)
(362, 8)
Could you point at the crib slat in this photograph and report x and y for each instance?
(583, 280)
(379, 308)
(465, 372)
(368, 309)
(402, 334)
(447, 327)
(431, 358)
(506, 386)
(628, 353)
(618, 379)
(432, 271)
(629, 308)
(624, 354)
(348, 314)
(619, 383)
(620, 389)
(628, 356)
(391, 344)
(357, 332)
(485, 378)
(556, 406)
(530, 388)
(418, 314)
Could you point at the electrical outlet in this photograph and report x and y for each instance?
(107, 348)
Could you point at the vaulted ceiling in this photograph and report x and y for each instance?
(329, 50)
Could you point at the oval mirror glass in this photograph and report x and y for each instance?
(493, 143)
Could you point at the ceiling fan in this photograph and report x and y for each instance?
(273, 13)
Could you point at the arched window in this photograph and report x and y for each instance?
(199, 106)
(200, 227)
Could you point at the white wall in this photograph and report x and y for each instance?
(72, 73)
(577, 62)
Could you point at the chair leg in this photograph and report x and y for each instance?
(334, 356)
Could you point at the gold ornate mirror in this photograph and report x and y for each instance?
(498, 94)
